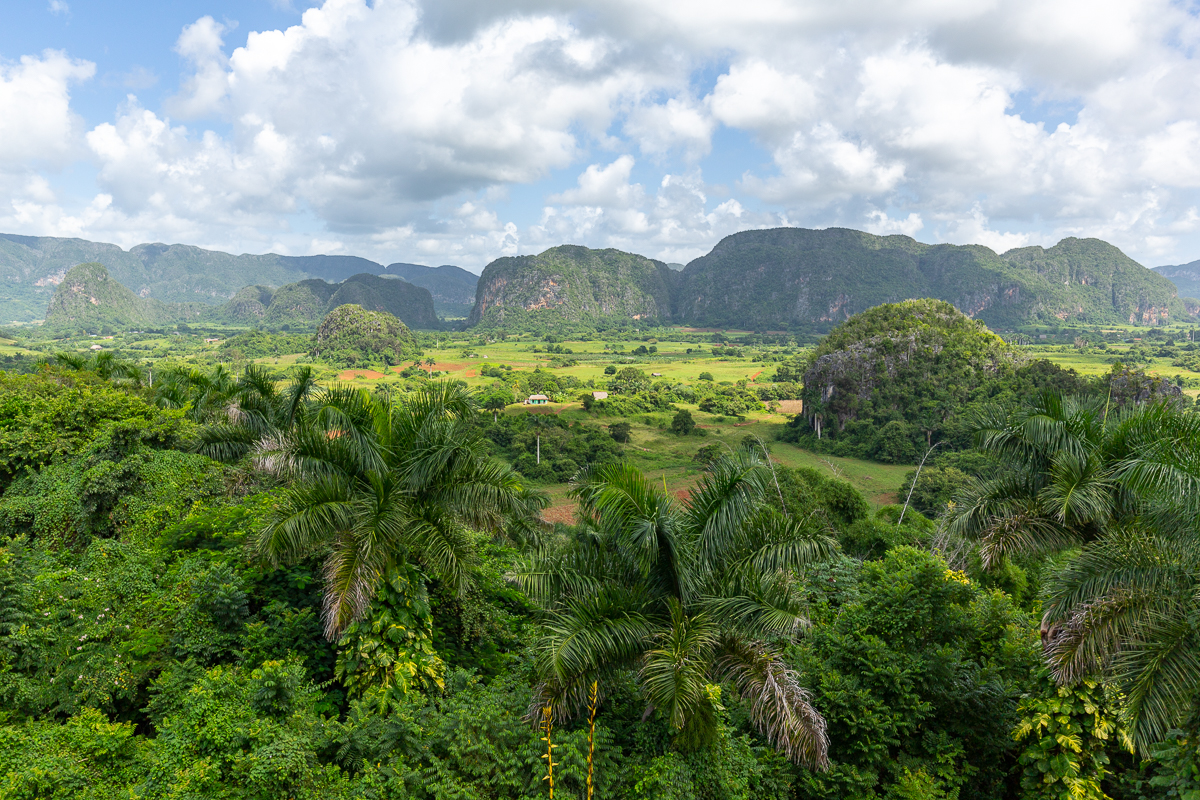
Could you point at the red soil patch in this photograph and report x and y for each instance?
(351, 374)
(442, 367)
(471, 373)
(564, 514)
(754, 377)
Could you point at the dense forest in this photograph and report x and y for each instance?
(246, 581)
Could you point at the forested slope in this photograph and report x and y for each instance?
(571, 284)
(793, 276)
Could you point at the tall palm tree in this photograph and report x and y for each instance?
(1129, 607)
(1072, 468)
(255, 412)
(203, 395)
(1123, 484)
(378, 482)
(684, 594)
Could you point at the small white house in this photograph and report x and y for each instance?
(537, 400)
(97, 347)
(655, 374)
(598, 395)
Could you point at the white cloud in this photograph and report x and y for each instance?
(392, 128)
(678, 123)
(58, 7)
(204, 90)
(974, 229)
(36, 121)
(755, 95)
(878, 222)
(604, 186)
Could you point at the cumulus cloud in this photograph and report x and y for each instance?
(392, 129)
(36, 121)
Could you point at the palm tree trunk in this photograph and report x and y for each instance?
(592, 703)
(548, 726)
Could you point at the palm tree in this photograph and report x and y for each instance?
(1122, 484)
(1072, 468)
(378, 483)
(1129, 608)
(254, 412)
(684, 594)
(204, 396)
(104, 364)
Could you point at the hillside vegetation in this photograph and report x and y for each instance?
(572, 285)
(891, 381)
(352, 335)
(89, 298)
(789, 277)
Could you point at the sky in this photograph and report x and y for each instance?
(460, 131)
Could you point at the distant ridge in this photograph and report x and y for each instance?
(305, 303)
(1186, 277)
(761, 279)
(31, 267)
(795, 276)
(453, 288)
(88, 298)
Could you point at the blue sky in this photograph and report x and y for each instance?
(461, 131)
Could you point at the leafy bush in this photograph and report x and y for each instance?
(683, 424)
(919, 673)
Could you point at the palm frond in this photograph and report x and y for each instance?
(1160, 671)
(305, 516)
(780, 708)
(759, 606)
(674, 674)
(602, 632)
(724, 502)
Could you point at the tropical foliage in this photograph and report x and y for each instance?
(245, 583)
(685, 595)
(1122, 483)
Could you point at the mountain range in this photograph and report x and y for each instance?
(762, 279)
(795, 277)
(32, 266)
(89, 298)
